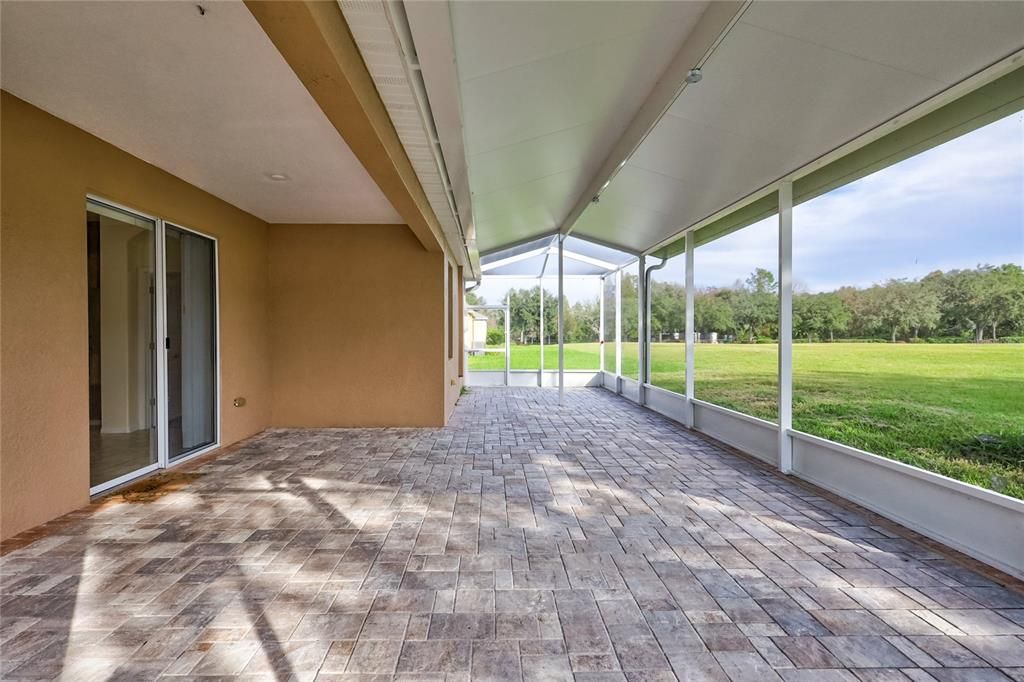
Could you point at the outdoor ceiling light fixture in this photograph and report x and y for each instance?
(278, 177)
(694, 76)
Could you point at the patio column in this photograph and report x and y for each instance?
(561, 320)
(641, 329)
(508, 341)
(690, 331)
(618, 329)
(540, 374)
(600, 325)
(785, 326)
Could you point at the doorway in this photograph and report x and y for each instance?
(153, 353)
(192, 343)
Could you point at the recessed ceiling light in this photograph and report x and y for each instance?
(694, 76)
(278, 177)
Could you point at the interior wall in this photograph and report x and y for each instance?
(48, 167)
(356, 343)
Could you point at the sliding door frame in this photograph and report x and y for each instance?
(160, 347)
(168, 461)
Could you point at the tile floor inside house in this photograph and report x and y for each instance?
(524, 541)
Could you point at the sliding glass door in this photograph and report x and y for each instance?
(153, 374)
(122, 341)
(191, 341)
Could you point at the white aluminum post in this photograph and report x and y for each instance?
(648, 286)
(600, 324)
(785, 326)
(508, 341)
(690, 331)
(163, 455)
(561, 321)
(618, 327)
(641, 329)
(540, 374)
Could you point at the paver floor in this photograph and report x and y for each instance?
(524, 541)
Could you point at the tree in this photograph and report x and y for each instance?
(630, 310)
(805, 321)
(832, 313)
(473, 298)
(712, 313)
(762, 281)
(902, 305)
(820, 314)
(583, 322)
(755, 304)
(668, 308)
(1003, 293)
(985, 298)
(524, 314)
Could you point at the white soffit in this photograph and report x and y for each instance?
(385, 59)
(207, 98)
(547, 89)
(789, 83)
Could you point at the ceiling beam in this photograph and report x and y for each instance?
(550, 236)
(596, 262)
(493, 265)
(716, 21)
(315, 41)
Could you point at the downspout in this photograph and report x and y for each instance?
(645, 372)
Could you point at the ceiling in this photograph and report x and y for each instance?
(207, 98)
(539, 257)
(548, 88)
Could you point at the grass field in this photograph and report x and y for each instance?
(954, 409)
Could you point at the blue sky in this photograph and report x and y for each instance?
(955, 206)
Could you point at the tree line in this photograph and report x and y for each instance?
(985, 303)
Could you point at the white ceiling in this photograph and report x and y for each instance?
(548, 87)
(791, 82)
(206, 98)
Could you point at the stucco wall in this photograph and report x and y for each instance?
(358, 326)
(337, 325)
(48, 166)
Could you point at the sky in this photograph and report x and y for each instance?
(955, 206)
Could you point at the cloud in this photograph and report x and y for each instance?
(954, 206)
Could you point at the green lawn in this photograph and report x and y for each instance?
(954, 409)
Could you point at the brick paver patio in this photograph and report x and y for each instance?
(525, 540)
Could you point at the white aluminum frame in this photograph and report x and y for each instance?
(642, 345)
(785, 370)
(160, 348)
(690, 331)
(618, 322)
(540, 283)
(600, 325)
(508, 341)
(505, 373)
(561, 320)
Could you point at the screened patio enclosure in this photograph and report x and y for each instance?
(529, 333)
(674, 327)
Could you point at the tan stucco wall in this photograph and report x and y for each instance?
(453, 380)
(358, 326)
(48, 166)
